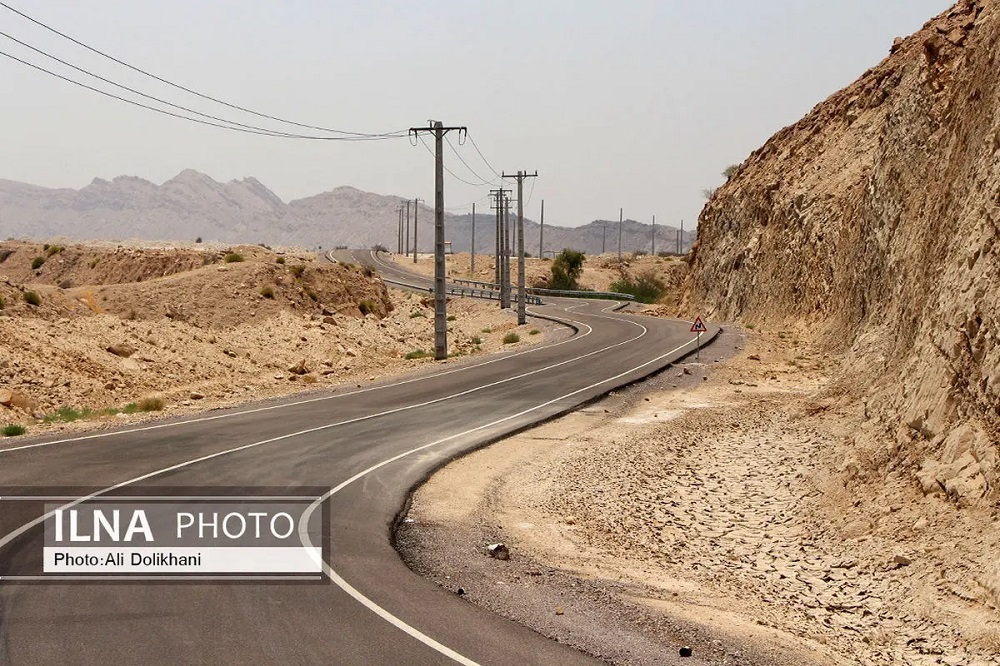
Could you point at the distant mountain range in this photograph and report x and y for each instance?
(192, 205)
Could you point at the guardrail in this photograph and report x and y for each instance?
(487, 294)
(553, 292)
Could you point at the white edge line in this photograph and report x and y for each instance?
(296, 403)
(371, 605)
(345, 586)
(13, 535)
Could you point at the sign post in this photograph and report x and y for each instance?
(698, 327)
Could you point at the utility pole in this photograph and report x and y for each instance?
(399, 244)
(653, 235)
(473, 268)
(604, 238)
(416, 206)
(440, 300)
(497, 205)
(621, 212)
(496, 263)
(505, 272)
(407, 227)
(521, 175)
(541, 233)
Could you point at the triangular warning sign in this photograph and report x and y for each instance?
(699, 326)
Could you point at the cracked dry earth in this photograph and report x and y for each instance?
(720, 499)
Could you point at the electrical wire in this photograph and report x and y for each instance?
(181, 116)
(237, 107)
(262, 130)
(485, 161)
(458, 178)
(530, 192)
(471, 170)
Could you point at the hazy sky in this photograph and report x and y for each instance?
(634, 103)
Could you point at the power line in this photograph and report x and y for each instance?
(262, 130)
(183, 117)
(485, 161)
(452, 173)
(530, 192)
(194, 92)
(471, 170)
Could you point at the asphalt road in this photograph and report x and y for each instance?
(370, 446)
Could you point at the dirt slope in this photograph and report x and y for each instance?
(872, 224)
(109, 327)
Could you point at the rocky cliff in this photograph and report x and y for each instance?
(873, 223)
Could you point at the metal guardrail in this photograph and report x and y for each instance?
(553, 292)
(487, 294)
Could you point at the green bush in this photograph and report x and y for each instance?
(54, 249)
(13, 430)
(511, 338)
(93, 262)
(534, 331)
(476, 340)
(366, 306)
(297, 270)
(417, 313)
(647, 288)
(68, 415)
(416, 353)
(32, 298)
(37, 262)
(312, 294)
(566, 270)
(4, 254)
(267, 292)
(280, 260)
(233, 258)
(452, 317)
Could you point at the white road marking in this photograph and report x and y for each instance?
(21, 530)
(304, 537)
(371, 605)
(285, 405)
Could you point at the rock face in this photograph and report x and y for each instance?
(875, 221)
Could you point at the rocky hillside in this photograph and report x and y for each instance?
(873, 222)
(192, 205)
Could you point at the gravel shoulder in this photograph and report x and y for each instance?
(715, 506)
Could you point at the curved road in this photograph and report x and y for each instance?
(370, 446)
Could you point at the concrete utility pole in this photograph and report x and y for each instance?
(653, 235)
(621, 212)
(496, 202)
(541, 234)
(505, 273)
(399, 245)
(416, 206)
(521, 175)
(407, 227)
(440, 299)
(604, 238)
(473, 268)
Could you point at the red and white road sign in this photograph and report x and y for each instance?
(699, 326)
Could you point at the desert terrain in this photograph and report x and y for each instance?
(102, 334)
